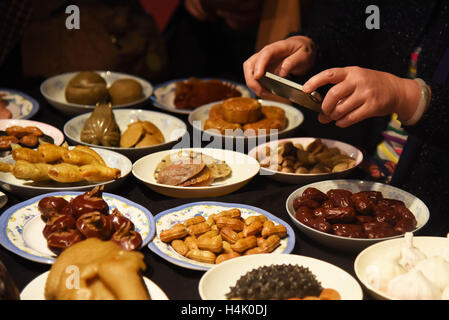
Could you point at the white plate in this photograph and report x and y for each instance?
(171, 127)
(26, 188)
(167, 219)
(21, 105)
(215, 283)
(377, 253)
(53, 89)
(164, 95)
(244, 168)
(21, 225)
(47, 129)
(35, 290)
(301, 179)
(294, 119)
(415, 205)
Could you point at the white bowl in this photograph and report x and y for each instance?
(199, 116)
(244, 168)
(53, 90)
(164, 95)
(55, 133)
(171, 127)
(377, 253)
(301, 179)
(26, 188)
(415, 205)
(35, 290)
(216, 282)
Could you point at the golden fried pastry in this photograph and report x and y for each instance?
(264, 124)
(216, 112)
(274, 113)
(31, 171)
(123, 91)
(221, 125)
(241, 110)
(97, 270)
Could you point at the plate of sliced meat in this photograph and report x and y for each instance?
(16, 105)
(195, 172)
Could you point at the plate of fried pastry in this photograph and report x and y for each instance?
(246, 118)
(28, 172)
(200, 235)
(195, 172)
(184, 95)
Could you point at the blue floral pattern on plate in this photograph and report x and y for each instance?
(21, 226)
(167, 219)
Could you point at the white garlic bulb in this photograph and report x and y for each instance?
(413, 285)
(410, 255)
(436, 270)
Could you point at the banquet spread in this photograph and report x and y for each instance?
(193, 92)
(50, 162)
(93, 269)
(191, 169)
(245, 115)
(89, 88)
(408, 273)
(280, 282)
(223, 236)
(314, 158)
(85, 216)
(101, 129)
(364, 214)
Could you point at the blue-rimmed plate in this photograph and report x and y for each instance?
(167, 219)
(164, 94)
(21, 105)
(21, 225)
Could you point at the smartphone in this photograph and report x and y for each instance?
(291, 90)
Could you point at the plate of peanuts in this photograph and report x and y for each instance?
(200, 235)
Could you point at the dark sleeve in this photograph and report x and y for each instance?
(434, 124)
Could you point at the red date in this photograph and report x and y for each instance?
(348, 230)
(340, 215)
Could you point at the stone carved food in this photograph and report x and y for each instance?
(105, 271)
(85, 216)
(191, 169)
(223, 236)
(314, 158)
(280, 282)
(101, 127)
(89, 88)
(50, 162)
(242, 115)
(364, 214)
(194, 92)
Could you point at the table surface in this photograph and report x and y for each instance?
(177, 282)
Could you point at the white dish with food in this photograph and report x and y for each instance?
(168, 218)
(21, 225)
(216, 282)
(242, 170)
(172, 128)
(164, 95)
(53, 90)
(18, 104)
(379, 264)
(28, 188)
(415, 205)
(294, 119)
(304, 178)
(49, 130)
(35, 290)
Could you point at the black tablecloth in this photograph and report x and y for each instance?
(177, 282)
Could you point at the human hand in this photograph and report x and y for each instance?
(294, 55)
(360, 93)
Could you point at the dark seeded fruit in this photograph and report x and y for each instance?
(277, 282)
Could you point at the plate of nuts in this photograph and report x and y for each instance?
(200, 235)
(306, 160)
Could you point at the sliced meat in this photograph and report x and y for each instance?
(176, 174)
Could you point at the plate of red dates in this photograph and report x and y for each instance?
(40, 228)
(354, 214)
